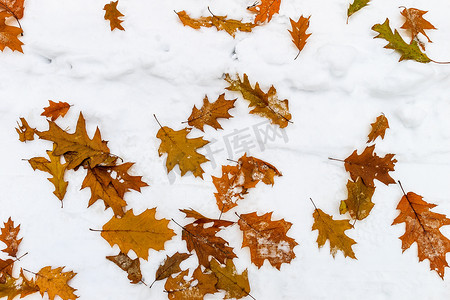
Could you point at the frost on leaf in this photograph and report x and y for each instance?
(359, 202)
(210, 112)
(267, 239)
(298, 33)
(8, 34)
(56, 109)
(415, 23)
(26, 133)
(264, 104)
(236, 286)
(265, 10)
(113, 15)
(14, 7)
(55, 283)
(202, 283)
(378, 128)
(422, 228)
(9, 237)
(131, 266)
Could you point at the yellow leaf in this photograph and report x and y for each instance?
(55, 283)
(235, 286)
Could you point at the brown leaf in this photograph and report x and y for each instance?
(15, 7)
(170, 266)
(298, 33)
(422, 228)
(26, 133)
(55, 110)
(370, 166)
(201, 219)
(178, 288)
(210, 112)
(6, 268)
(265, 10)
(415, 23)
(267, 239)
(235, 286)
(378, 128)
(27, 287)
(9, 237)
(55, 283)
(8, 34)
(138, 233)
(131, 266)
(359, 202)
(264, 104)
(113, 15)
(181, 150)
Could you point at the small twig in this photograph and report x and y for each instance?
(297, 54)
(336, 159)
(157, 121)
(315, 207)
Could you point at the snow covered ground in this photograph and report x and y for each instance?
(340, 83)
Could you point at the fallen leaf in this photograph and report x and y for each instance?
(55, 283)
(170, 266)
(9, 287)
(201, 219)
(131, 266)
(8, 34)
(9, 237)
(26, 133)
(178, 288)
(415, 23)
(422, 228)
(15, 7)
(138, 233)
(181, 150)
(55, 110)
(298, 33)
(113, 15)
(236, 286)
(27, 287)
(378, 128)
(356, 6)
(264, 104)
(265, 10)
(6, 269)
(210, 112)
(267, 239)
(333, 230)
(359, 202)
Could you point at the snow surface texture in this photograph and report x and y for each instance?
(340, 83)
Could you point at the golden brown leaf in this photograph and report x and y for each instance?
(370, 166)
(201, 219)
(210, 112)
(178, 288)
(298, 33)
(359, 202)
(256, 170)
(265, 10)
(27, 287)
(131, 266)
(181, 150)
(333, 230)
(55, 283)
(356, 6)
(15, 7)
(77, 147)
(378, 128)
(9, 287)
(170, 266)
(422, 227)
(113, 15)
(267, 239)
(55, 168)
(9, 237)
(415, 23)
(138, 233)
(8, 34)
(264, 104)
(26, 133)
(235, 286)
(6, 268)
(55, 110)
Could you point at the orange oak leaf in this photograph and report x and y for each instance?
(370, 166)
(210, 112)
(9, 237)
(6, 269)
(26, 133)
(378, 128)
(201, 284)
(131, 266)
(27, 286)
(138, 233)
(14, 7)
(8, 34)
(201, 219)
(56, 109)
(77, 147)
(298, 33)
(422, 228)
(55, 168)
(333, 230)
(236, 286)
(267, 239)
(265, 10)
(170, 266)
(55, 283)
(415, 23)
(181, 150)
(359, 202)
(264, 104)
(113, 15)
(231, 26)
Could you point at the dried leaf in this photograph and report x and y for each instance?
(27, 287)
(55, 110)
(26, 133)
(265, 10)
(235, 286)
(264, 104)
(6, 268)
(113, 15)
(415, 23)
(8, 34)
(181, 150)
(267, 239)
(298, 33)
(359, 202)
(9, 287)
(170, 266)
(201, 219)
(131, 266)
(370, 166)
(55, 283)
(378, 128)
(356, 6)
(407, 51)
(15, 7)
(178, 288)
(422, 227)
(55, 168)
(210, 112)
(333, 230)
(9, 237)
(138, 233)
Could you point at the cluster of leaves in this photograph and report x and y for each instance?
(52, 281)
(9, 34)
